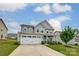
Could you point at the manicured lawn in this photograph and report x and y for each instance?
(7, 46)
(69, 51)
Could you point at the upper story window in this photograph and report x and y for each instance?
(24, 28)
(47, 31)
(37, 30)
(1, 30)
(42, 31)
(50, 32)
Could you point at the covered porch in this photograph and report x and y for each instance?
(47, 38)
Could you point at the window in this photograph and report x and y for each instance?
(23, 36)
(29, 36)
(37, 30)
(1, 30)
(38, 36)
(42, 31)
(34, 36)
(47, 31)
(50, 32)
(24, 29)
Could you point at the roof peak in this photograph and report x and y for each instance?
(3, 23)
(43, 24)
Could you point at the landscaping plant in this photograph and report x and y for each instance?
(67, 34)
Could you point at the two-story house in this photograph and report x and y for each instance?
(30, 34)
(3, 30)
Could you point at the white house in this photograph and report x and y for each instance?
(30, 34)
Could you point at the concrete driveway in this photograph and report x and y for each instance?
(34, 50)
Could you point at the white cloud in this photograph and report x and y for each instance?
(63, 18)
(33, 22)
(13, 26)
(61, 8)
(45, 8)
(48, 9)
(11, 6)
(56, 22)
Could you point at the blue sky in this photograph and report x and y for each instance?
(58, 15)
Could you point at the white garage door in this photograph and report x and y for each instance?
(31, 40)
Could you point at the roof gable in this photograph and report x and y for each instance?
(45, 25)
(3, 23)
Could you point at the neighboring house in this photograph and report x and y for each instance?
(12, 35)
(57, 38)
(3, 30)
(35, 34)
(77, 38)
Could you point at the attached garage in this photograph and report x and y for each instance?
(30, 39)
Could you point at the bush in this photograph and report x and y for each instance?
(67, 34)
(76, 44)
(53, 42)
(43, 42)
(69, 46)
(49, 42)
(16, 43)
(59, 43)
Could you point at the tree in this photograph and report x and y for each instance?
(67, 34)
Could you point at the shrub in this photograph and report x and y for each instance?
(17, 43)
(53, 42)
(69, 46)
(67, 34)
(76, 44)
(59, 43)
(43, 42)
(49, 42)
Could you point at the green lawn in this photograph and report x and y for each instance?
(7, 46)
(69, 51)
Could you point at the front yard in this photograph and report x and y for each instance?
(69, 51)
(7, 46)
